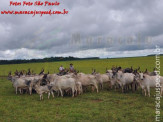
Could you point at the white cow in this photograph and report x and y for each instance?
(50, 77)
(21, 83)
(124, 79)
(43, 89)
(24, 82)
(113, 80)
(101, 79)
(87, 80)
(63, 83)
(146, 82)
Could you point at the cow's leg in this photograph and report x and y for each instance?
(48, 95)
(93, 88)
(61, 91)
(127, 88)
(135, 87)
(16, 89)
(115, 87)
(76, 91)
(101, 85)
(81, 90)
(96, 87)
(26, 91)
(85, 89)
(20, 90)
(40, 97)
(122, 88)
(145, 91)
(58, 93)
(148, 91)
(119, 86)
(30, 90)
(73, 90)
(70, 92)
(142, 91)
(111, 86)
(52, 94)
(132, 87)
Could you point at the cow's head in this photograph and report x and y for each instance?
(9, 76)
(93, 71)
(139, 77)
(135, 72)
(119, 75)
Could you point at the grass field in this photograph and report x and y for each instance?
(107, 105)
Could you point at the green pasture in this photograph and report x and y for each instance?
(106, 106)
(85, 65)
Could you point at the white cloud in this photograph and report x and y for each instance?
(39, 36)
(24, 53)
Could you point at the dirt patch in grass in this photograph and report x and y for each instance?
(96, 100)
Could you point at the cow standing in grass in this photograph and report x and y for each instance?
(101, 78)
(64, 83)
(146, 82)
(43, 89)
(87, 80)
(125, 79)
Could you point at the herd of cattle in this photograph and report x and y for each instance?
(75, 83)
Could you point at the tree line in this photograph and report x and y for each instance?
(50, 59)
